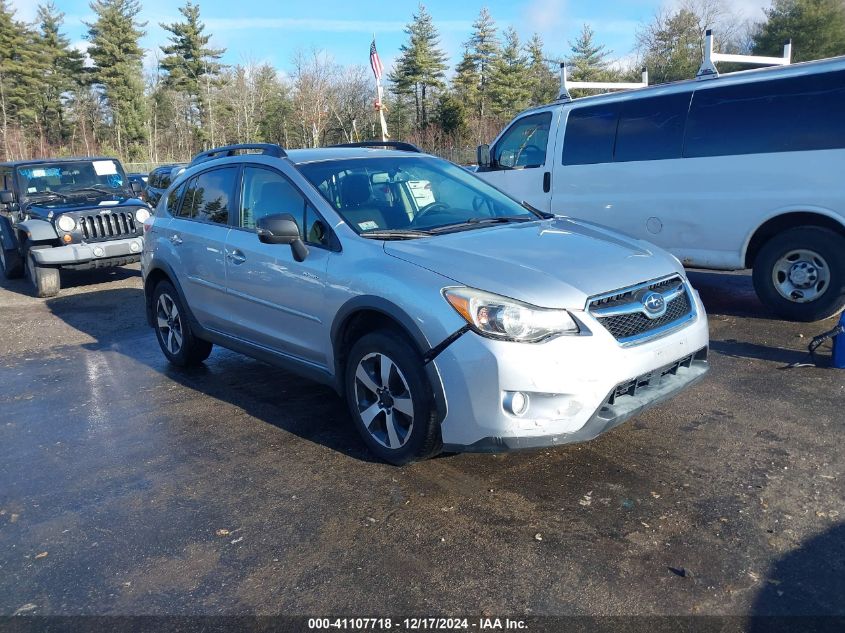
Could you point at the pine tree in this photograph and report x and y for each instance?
(61, 71)
(18, 75)
(671, 46)
(588, 61)
(483, 45)
(816, 27)
(545, 86)
(466, 80)
(422, 65)
(192, 67)
(118, 69)
(509, 90)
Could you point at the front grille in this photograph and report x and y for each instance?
(104, 226)
(626, 326)
(623, 314)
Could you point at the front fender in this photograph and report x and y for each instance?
(8, 235)
(38, 230)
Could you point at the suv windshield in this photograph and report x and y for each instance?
(410, 195)
(66, 178)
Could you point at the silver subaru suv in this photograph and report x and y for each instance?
(450, 316)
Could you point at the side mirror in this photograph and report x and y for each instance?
(281, 228)
(136, 187)
(483, 156)
(7, 197)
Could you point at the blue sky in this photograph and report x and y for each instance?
(270, 31)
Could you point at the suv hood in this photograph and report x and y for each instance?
(556, 263)
(100, 203)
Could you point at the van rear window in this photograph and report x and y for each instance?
(784, 115)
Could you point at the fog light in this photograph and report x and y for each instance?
(516, 403)
(135, 247)
(99, 252)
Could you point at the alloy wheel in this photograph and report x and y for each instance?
(169, 323)
(384, 401)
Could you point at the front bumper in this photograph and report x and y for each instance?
(84, 253)
(578, 387)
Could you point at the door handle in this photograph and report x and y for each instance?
(547, 182)
(236, 257)
(175, 239)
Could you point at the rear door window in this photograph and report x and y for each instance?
(652, 129)
(209, 196)
(590, 134)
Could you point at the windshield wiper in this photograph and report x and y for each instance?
(533, 209)
(473, 222)
(395, 234)
(97, 188)
(48, 192)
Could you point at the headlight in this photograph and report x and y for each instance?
(503, 318)
(141, 215)
(66, 223)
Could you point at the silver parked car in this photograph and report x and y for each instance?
(459, 321)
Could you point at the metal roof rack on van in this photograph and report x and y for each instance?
(708, 66)
(400, 145)
(566, 85)
(267, 149)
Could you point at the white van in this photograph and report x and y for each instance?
(746, 170)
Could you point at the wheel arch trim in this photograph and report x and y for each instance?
(751, 245)
(372, 303)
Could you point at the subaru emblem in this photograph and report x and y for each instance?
(654, 304)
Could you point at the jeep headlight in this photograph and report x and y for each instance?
(66, 223)
(141, 215)
(508, 319)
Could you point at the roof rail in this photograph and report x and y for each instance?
(401, 145)
(708, 66)
(267, 149)
(566, 85)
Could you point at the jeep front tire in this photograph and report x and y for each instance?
(45, 280)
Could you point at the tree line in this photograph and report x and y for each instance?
(58, 100)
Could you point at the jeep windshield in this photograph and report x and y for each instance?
(63, 180)
(406, 197)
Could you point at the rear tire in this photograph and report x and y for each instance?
(45, 281)
(390, 398)
(800, 273)
(11, 262)
(173, 329)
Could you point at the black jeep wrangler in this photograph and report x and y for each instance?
(75, 213)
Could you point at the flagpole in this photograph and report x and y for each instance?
(379, 96)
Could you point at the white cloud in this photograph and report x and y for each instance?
(545, 16)
(25, 10)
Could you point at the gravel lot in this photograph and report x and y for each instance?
(130, 487)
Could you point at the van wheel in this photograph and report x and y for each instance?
(800, 273)
(390, 399)
(173, 331)
(11, 263)
(45, 280)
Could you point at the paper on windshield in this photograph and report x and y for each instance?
(105, 167)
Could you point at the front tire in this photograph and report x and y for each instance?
(45, 281)
(173, 329)
(800, 273)
(390, 399)
(11, 263)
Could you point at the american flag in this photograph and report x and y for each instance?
(375, 62)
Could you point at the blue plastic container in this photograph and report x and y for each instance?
(839, 346)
